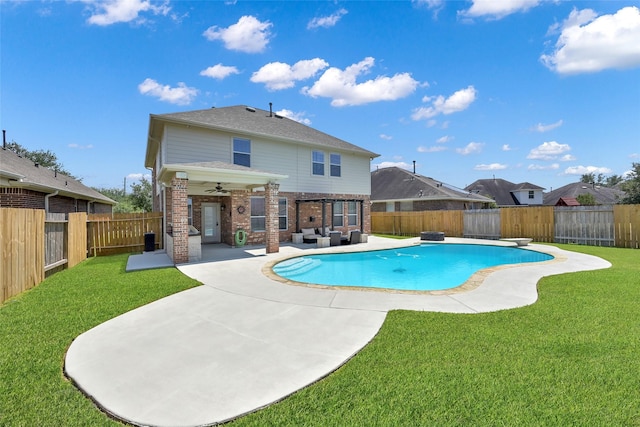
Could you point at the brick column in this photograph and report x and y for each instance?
(272, 238)
(180, 219)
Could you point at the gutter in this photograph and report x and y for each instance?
(46, 200)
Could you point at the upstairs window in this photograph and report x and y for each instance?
(531, 196)
(335, 164)
(242, 152)
(317, 161)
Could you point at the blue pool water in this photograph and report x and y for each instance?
(426, 267)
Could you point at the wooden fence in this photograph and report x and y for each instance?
(122, 233)
(616, 225)
(34, 244)
(412, 223)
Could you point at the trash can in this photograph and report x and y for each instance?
(149, 242)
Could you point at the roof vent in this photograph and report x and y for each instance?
(251, 109)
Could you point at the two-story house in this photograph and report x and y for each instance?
(507, 193)
(240, 175)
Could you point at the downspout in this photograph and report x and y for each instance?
(46, 200)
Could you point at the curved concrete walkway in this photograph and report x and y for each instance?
(243, 341)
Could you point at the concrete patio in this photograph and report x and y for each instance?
(243, 341)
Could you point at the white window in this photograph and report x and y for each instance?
(283, 218)
(391, 206)
(257, 214)
(352, 214)
(531, 196)
(190, 210)
(317, 163)
(242, 152)
(338, 213)
(335, 164)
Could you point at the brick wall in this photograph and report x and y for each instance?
(272, 236)
(21, 198)
(28, 199)
(179, 214)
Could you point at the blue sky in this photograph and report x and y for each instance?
(525, 90)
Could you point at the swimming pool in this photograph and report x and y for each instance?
(425, 267)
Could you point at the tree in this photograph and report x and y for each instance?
(140, 196)
(44, 158)
(586, 199)
(632, 186)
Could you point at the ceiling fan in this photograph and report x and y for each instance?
(218, 189)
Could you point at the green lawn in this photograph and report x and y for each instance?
(573, 358)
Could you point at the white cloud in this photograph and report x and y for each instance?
(139, 176)
(386, 137)
(278, 75)
(445, 139)
(327, 21)
(247, 35)
(433, 149)
(506, 147)
(341, 86)
(219, 71)
(497, 9)
(582, 170)
(181, 95)
(80, 147)
(298, 117)
(110, 12)
(472, 147)
(457, 102)
(548, 151)
(383, 165)
(490, 167)
(553, 166)
(567, 158)
(546, 128)
(589, 44)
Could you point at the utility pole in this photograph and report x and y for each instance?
(124, 187)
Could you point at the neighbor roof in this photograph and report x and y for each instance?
(249, 121)
(500, 190)
(20, 172)
(602, 195)
(394, 183)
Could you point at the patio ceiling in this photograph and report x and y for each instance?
(204, 177)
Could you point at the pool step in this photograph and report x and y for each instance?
(296, 266)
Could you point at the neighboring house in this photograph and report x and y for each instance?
(240, 172)
(396, 189)
(25, 184)
(602, 195)
(507, 193)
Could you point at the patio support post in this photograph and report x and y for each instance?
(180, 218)
(271, 217)
(324, 214)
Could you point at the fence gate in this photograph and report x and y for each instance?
(585, 225)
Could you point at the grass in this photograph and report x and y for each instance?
(570, 359)
(37, 327)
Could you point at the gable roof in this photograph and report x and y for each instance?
(20, 172)
(602, 195)
(500, 190)
(248, 121)
(567, 201)
(394, 183)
